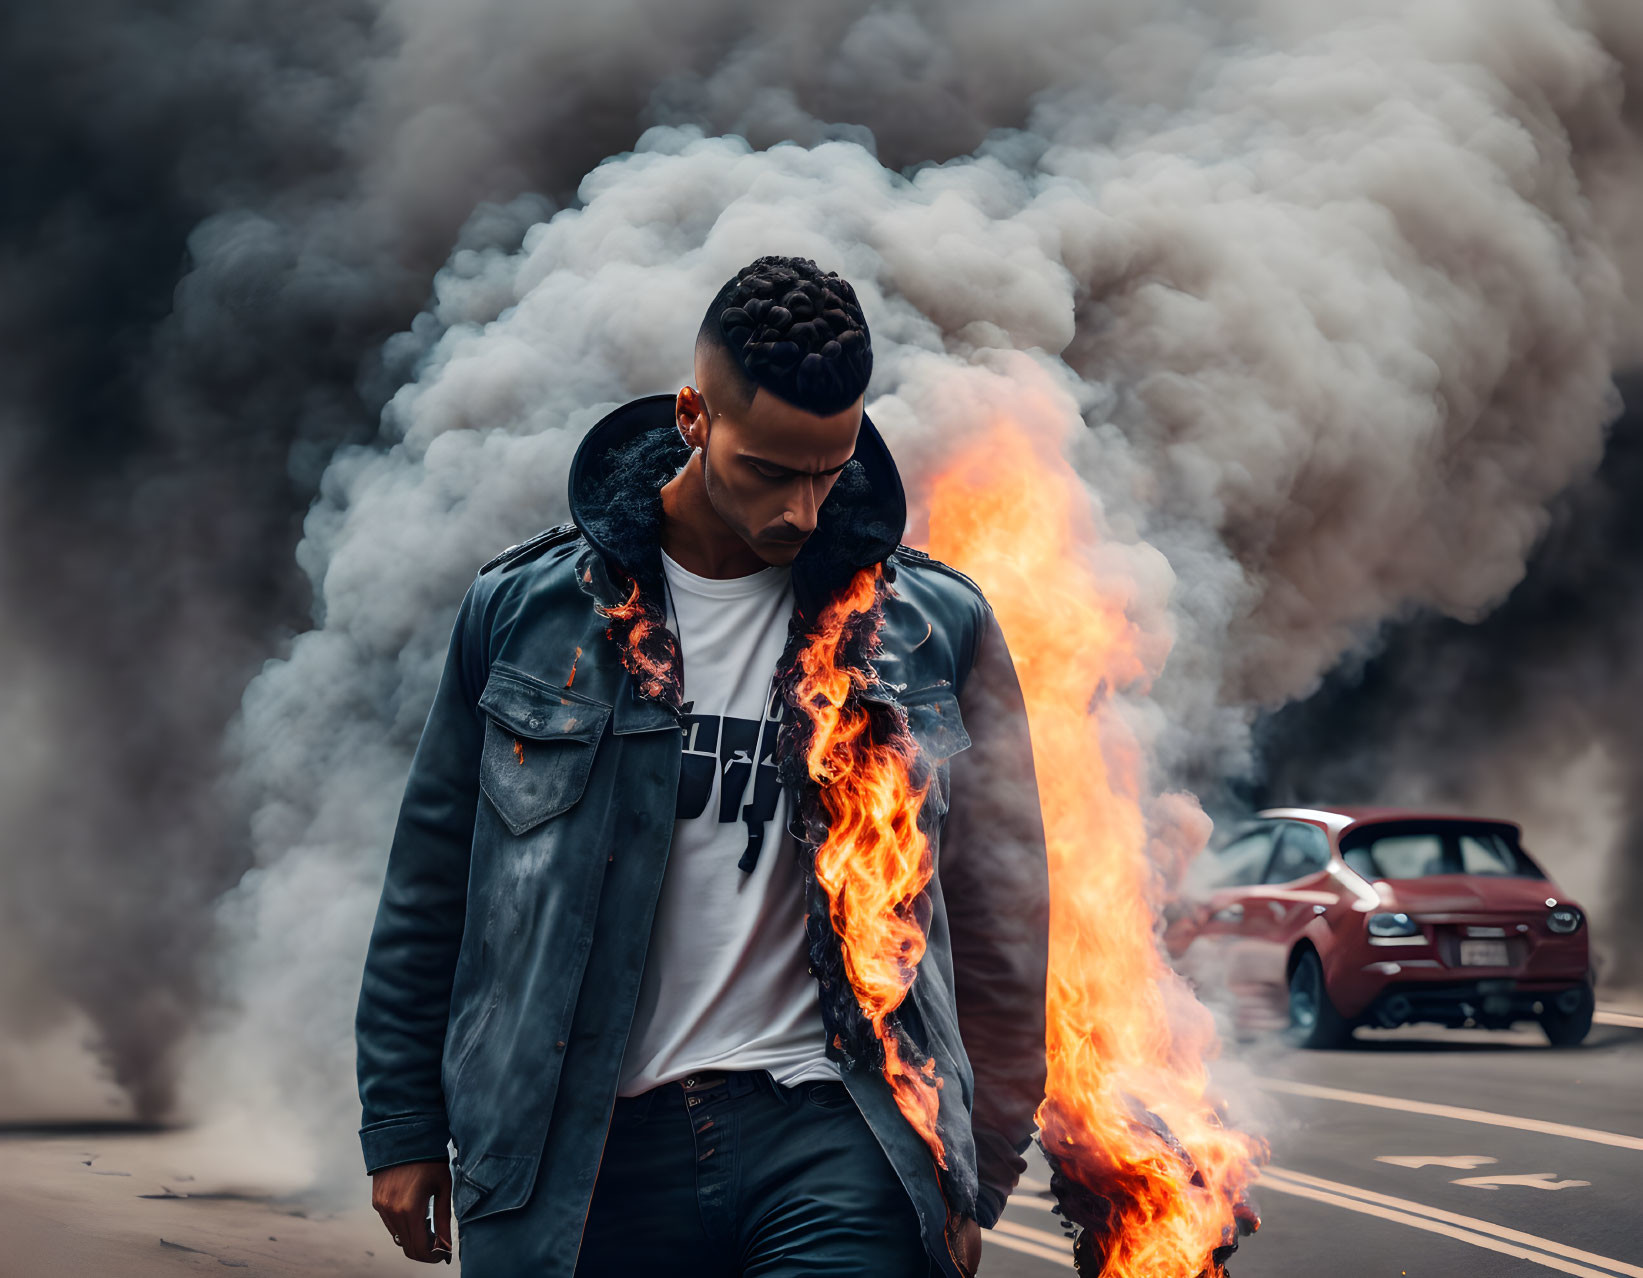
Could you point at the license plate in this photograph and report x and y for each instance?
(1484, 954)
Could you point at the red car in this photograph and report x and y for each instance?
(1353, 916)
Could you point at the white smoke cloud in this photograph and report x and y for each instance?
(1321, 284)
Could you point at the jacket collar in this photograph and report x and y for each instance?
(615, 500)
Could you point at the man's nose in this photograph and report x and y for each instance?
(801, 510)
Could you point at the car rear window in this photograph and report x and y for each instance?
(1419, 849)
(1487, 852)
(1401, 856)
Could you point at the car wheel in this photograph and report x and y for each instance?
(1569, 1029)
(1313, 1020)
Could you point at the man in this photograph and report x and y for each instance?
(630, 956)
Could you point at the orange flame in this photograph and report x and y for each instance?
(875, 861)
(1124, 1032)
(650, 667)
(627, 609)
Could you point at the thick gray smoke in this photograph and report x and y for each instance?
(215, 215)
(1327, 305)
(1328, 294)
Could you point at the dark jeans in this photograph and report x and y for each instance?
(727, 1175)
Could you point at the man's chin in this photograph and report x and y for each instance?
(778, 554)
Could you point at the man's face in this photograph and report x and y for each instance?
(768, 467)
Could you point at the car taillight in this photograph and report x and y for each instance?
(1393, 925)
(1564, 920)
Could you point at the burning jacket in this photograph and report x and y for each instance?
(505, 961)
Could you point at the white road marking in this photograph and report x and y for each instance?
(1618, 1139)
(1467, 1229)
(1031, 1242)
(1462, 1162)
(1530, 1180)
(1629, 1020)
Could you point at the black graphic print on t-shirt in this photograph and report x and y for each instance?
(733, 751)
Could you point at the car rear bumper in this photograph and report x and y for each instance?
(1369, 969)
(1493, 1003)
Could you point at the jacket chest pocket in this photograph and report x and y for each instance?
(539, 747)
(934, 720)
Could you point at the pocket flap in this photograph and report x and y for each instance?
(539, 747)
(495, 1182)
(537, 713)
(934, 720)
(465, 1190)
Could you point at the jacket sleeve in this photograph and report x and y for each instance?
(405, 996)
(995, 882)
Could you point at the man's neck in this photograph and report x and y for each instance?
(694, 536)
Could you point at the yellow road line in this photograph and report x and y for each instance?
(1031, 1242)
(1486, 1242)
(1618, 1139)
(1280, 1176)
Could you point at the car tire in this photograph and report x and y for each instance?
(1313, 1020)
(1569, 1029)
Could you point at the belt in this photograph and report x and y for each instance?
(715, 1084)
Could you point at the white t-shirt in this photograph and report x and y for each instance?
(726, 982)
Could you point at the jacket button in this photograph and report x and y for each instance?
(560, 1044)
(535, 721)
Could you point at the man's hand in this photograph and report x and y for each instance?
(400, 1195)
(966, 1243)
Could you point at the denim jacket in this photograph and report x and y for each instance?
(524, 871)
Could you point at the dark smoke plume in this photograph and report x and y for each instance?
(1532, 713)
(191, 288)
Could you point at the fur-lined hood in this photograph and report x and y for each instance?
(615, 500)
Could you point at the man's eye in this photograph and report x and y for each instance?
(774, 476)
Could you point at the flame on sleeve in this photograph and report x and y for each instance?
(874, 860)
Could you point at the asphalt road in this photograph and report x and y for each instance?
(1426, 1154)
(1415, 1155)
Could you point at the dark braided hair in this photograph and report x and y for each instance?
(795, 330)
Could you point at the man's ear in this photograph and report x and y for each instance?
(690, 415)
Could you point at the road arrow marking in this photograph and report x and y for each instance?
(1466, 1229)
(1529, 1180)
(1465, 1162)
